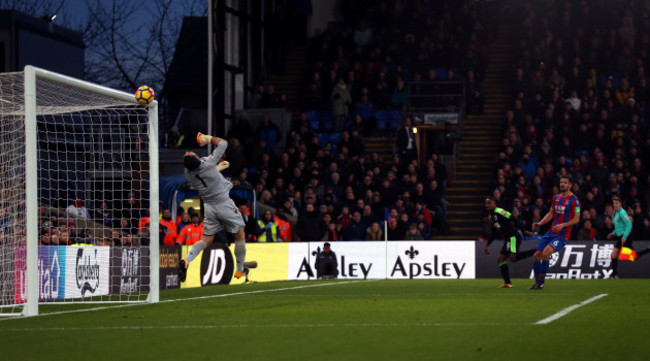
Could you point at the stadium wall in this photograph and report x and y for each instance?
(72, 272)
(578, 260)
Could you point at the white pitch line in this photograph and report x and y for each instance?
(569, 309)
(266, 326)
(186, 299)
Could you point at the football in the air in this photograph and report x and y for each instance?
(144, 95)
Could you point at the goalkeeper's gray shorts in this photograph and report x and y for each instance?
(220, 216)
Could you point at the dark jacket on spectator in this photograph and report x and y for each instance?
(355, 231)
(310, 227)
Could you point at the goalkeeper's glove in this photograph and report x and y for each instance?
(203, 139)
(223, 165)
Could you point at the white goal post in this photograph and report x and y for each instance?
(79, 194)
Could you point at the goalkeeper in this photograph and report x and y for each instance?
(510, 228)
(220, 211)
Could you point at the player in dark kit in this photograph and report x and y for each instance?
(505, 225)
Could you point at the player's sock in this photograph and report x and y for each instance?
(615, 266)
(525, 254)
(545, 265)
(196, 249)
(240, 254)
(537, 267)
(503, 267)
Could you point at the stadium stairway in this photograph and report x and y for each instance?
(382, 145)
(477, 148)
(296, 77)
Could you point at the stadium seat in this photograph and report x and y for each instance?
(616, 80)
(382, 120)
(335, 138)
(394, 119)
(642, 112)
(328, 124)
(580, 153)
(323, 138)
(313, 119)
(326, 120)
(347, 122)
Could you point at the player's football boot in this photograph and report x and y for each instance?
(240, 274)
(182, 270)
(506, 285)
(537, 286)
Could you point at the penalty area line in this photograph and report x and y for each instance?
(92, 309)
(568, 310)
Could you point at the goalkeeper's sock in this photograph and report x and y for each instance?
(240, 254)
(615, 266)
(505, 273)
(196, 249)
(525, 254)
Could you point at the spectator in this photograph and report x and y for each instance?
(400, 95)
(283, 225)
(169, 227)
(251, 228)
(243, 131)
(424, 228)
(76, 208)
(235, 155)
(310, 226)
(115, 239)
(270, 99)
(624, 92)
(185, 220)
(341, 100)
(356, 230)
(396, 230)
(413, 233)
(362, 35)
(104, 215)
(473, 94)
(64, 238)
(333, 232)
(256, 97)
(374, 232)
(269, 228)
(406, 146)
(126, 228)
(192, 232)
(587, 232)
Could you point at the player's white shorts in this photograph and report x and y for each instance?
(221, 216)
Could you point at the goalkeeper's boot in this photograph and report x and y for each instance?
(506, 285)
(240, 274)
(182, 270)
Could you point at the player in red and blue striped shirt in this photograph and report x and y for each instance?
(565, 213)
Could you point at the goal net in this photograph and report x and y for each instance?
(78, 183)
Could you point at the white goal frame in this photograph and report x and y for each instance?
(31, 307)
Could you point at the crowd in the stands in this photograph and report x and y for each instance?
(579, 106)
(362, 66)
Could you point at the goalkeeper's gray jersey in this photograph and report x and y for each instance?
(212, 186)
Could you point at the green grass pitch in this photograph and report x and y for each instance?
(350, 320)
